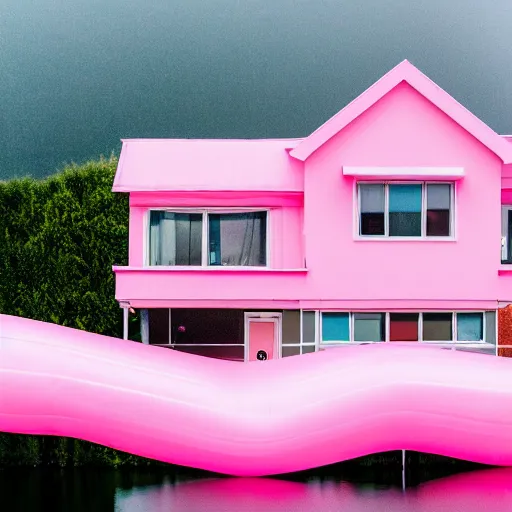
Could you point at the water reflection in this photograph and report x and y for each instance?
(478, 491)
(85, 490)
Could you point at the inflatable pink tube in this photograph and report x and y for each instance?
(258, 418)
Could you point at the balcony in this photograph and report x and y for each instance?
(159, 286)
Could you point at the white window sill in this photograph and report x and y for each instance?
(443, 344)
(162, 268)
(380, 238)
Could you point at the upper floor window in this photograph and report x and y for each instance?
(208, 238)
(405, 209)
(506, 234)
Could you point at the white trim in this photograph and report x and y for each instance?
(276, 317)
(205, 240)
(406, 172)
(205, 256)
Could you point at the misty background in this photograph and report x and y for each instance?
(76, 76)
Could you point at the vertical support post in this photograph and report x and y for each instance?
(125, 323)
(144, 326)
(403, 470)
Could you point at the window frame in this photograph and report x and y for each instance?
(301, 344)
(423, 237)
(205, 235)
(387, 328)
(506, 258)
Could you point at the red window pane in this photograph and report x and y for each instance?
(403, 327)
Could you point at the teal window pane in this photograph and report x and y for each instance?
(405, 198)
(470, 327)
(405, 210)
(335, 327)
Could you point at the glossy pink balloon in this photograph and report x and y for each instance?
(257, 418)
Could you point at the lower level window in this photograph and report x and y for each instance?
(440, 327)
(369, 327)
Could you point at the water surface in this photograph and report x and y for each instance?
(82, 490)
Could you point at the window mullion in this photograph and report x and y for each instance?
(454, 328)
(420, 326)
(386, 209)
(205, 241)
(424, 209)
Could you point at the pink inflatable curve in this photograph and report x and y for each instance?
(258, 418)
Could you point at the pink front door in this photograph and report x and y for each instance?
(262, 339)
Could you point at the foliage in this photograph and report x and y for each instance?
(59, 238)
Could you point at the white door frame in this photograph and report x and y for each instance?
(263, 317)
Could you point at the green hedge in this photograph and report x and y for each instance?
(59, 238)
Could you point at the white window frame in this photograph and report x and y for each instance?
(204, 236)
(387, 320)
(301, 343)
(505, 257)
(386, 236)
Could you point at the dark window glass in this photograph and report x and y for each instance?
(369, 326)
(437, 326)
(229, 353)
(372, 209)
(308, 349)
(438, 209)
(207, 326)
(405, 210)
(237, 239)
(403, 326)
(158, 323)
(308, 326)
(291, 327)
(290, 351)
(175, 238)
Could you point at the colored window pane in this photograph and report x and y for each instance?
(405, 210)
(403, 326)
(335, 327)
(437, 326)
(470, 327)
(369, 326)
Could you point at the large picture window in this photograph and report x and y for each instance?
(208, 238)
(405, 209)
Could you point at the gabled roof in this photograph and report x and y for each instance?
(405, 71)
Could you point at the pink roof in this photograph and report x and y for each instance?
(177, 164)
(405, 71)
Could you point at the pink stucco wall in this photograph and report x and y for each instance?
(312, 224)
(403, 129)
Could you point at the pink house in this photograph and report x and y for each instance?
(392, 222)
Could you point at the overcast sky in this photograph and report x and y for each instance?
(78, 75)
